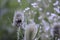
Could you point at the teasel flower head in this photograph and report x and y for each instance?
(18, 18)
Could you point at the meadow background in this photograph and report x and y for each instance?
(43, 12)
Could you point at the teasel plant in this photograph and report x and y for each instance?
(29, 32)
(18, 22)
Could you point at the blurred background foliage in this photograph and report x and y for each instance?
(39, 7)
